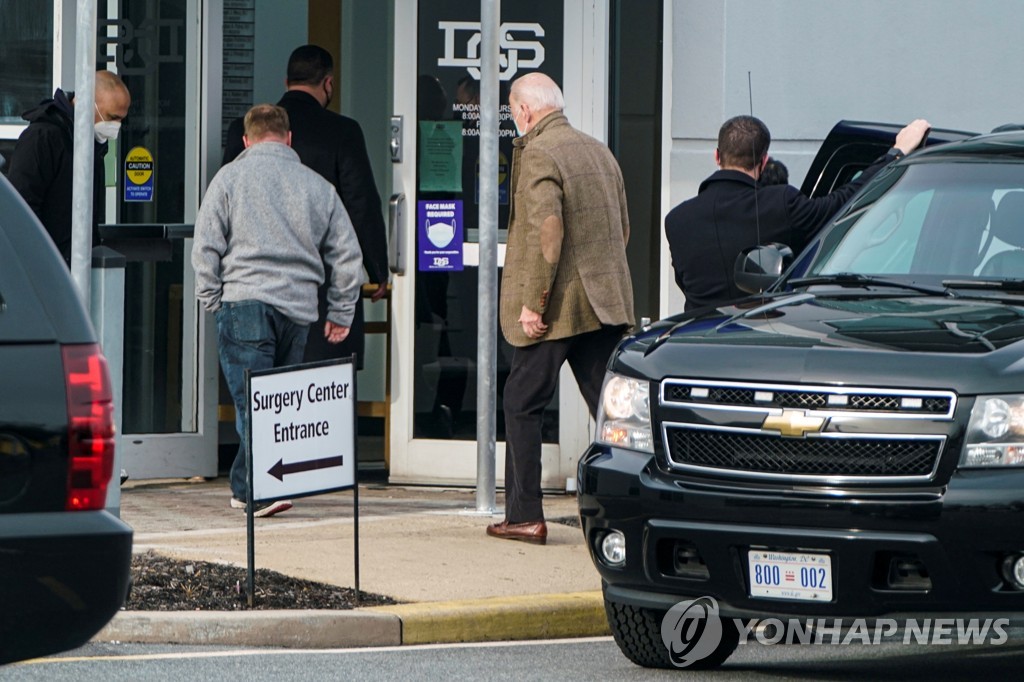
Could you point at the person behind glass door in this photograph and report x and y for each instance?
(333, 145)
(566, 292)
(266, 233)
(41, 167)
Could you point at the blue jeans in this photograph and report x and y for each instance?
(253, 335)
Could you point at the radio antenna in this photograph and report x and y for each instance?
(750, 94)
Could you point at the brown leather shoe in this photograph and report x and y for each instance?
(535, 532)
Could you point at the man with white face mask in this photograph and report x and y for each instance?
(41, 165)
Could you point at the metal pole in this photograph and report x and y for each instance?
(487, 347)
(250, 506)
(355, 473)
(81, 182)
(107, 313)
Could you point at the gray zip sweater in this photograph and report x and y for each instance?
(265, 229)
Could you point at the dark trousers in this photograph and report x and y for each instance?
(531, 384)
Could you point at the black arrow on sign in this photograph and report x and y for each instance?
(280, 469)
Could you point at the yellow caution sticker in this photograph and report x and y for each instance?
(139, 168)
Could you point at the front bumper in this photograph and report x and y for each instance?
(954, 538)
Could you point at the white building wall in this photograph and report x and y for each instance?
(814, 62)
(280, 28)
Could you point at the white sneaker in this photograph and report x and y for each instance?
(265, 509)
(271, 508)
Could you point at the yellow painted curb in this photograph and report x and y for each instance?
(543, 616)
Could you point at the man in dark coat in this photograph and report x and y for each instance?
(731, 212)
(334, 147)
(42, 163)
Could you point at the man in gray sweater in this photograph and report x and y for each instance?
(265, 228)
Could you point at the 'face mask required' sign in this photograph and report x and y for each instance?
(439, 234)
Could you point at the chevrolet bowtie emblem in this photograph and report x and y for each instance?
(793, 423)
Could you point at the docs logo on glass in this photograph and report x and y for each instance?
(440, 234)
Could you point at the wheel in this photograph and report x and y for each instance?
(638, 632)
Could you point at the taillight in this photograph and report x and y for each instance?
(90, 426)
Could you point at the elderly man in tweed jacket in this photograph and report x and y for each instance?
(565, 290)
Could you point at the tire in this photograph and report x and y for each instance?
(637, 631)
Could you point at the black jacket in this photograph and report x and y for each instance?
(731, 213)
(41, 169)
(334, 147)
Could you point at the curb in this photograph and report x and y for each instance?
(550, 616)
(311, 629)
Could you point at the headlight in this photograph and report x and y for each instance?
(995, 434)
(624, 418)
(613, 548)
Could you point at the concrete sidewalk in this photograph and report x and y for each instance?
(425, 547)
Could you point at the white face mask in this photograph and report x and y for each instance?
(515, 122)
(105, 130)
(441, 234)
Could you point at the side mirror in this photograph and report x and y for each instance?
(758, 267)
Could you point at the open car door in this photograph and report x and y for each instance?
(851, 146)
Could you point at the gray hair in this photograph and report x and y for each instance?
(538, 91)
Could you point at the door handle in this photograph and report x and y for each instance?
(396, 233)
(395, 142)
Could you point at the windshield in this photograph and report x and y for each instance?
(931, 221)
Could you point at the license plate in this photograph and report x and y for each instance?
(790, 575)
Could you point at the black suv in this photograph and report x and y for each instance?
(848, 443)
(64, 561)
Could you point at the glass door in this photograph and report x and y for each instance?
(434, 345)
(169, 395)
(26, 66)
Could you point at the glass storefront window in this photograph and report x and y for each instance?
(448, 90)
(148, 41)
(26, 56)
(445, 360)
(448, 109)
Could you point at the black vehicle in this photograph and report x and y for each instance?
(848, 443)
(64, 561)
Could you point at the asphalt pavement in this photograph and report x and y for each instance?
(423, 546)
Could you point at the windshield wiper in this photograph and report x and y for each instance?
(852, 279)
(1015, 285)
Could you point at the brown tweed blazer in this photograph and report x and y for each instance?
(567, 234)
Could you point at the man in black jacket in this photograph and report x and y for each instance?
(731, 212)
(334, 147)
(42, 163)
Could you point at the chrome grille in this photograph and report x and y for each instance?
(896, 402)
(807, 433)
(843, 457)
(875, 402)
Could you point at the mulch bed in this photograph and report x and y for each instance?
(163, 584)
